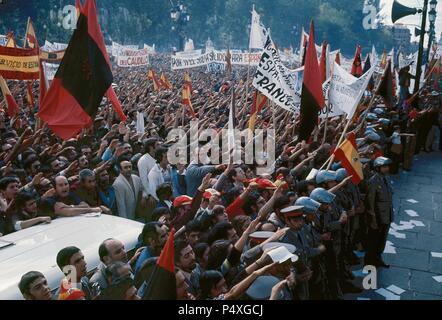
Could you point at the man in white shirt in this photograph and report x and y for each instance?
(147, 162)
(160, 173)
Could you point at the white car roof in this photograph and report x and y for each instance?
(36, 248)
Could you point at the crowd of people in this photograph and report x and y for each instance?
(227, 218)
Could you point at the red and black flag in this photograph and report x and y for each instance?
(385, 89)
(81, 81)
(367, 66)
(162, 283)
(356, 68)
(312, 99)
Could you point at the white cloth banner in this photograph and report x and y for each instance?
(330, 110)
(189, 54)
(133, 58)
(3, 40)
(346, 90)
(278, 83)
(258, 33)
(179, 62)
(405, 61)
(117, 48)
(140, 123)
(50, 69)
(150, 49)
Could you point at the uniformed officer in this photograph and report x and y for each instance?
(380, 212)
(294, 218)
(318, 285)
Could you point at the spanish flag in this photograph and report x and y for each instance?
(259, 101)
(10, 43)
(12, 107)
(29, 96)
(81, 81)
(151, 76)
(186, 100)
(162, 283)
(348, 154)
(30, 37)
(165, 82)
(188, 82)
(383, 62)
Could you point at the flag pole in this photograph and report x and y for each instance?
(332, 157)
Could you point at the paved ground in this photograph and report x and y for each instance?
(413, 266)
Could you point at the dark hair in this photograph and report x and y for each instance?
(4, 182)
(149, 231)
(193, 226)
(219, 231)
(102, 249)
(238, 223)
(121, 159)
(199, 249)
(159, 153)
(281, 202)
(27, 279)
(29, 161)
(64, 256)
(164, 189)
(20, 200)
(302, 187)
(158, 212)
(179, 245)
(219, 250)
(208, 280)
(149, 143)
(251, 201)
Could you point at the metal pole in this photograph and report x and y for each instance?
(421, 48)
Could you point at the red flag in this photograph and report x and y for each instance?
(152, 76)
(338, 58)
(30, 37)
(356, 68)
(188, 82)
(165, 82)
(81, 81)
(162, 283)
(259, 101)
(112, 96)
(385, 89)
(312, 99)
(186, 100)
(323, 62)
(12, 107)
(29, 95)
(348, 154)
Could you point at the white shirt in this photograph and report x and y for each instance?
(156, 177)
(145, 164)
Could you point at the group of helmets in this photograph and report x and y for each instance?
(324, 176)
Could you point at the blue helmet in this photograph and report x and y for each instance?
(384, 121)
(372, 136)
(323, 196)
(335, 166)
(381, 161)
(372, 116)
(325, 176)
(341, 174)
(310, 205)
(378, 111)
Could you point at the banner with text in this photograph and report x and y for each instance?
(18, 63)
(133, 58)
(238, 58)
(278, 83)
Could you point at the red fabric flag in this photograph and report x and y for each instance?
(323, 62)
(186, 100)
(12, 107)
(385, 89)
(165, 82)
(162, 283)
(356, 68)
(30, 37)
(312, 99)
(112, 96)
(81, 81)
(259, 101)
(29, 95)
(348, 154)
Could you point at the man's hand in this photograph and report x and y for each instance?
(48, 194)
(105, 210)
(136, 255)
(265, 269)
(205, 184)
(44, 219)
(36, 180)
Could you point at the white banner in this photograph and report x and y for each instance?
(133, 58)
(117, 48)
(330, 110)
(150, 49)
(50, 69)
(3, 40)
(180, 62)
(215, 67)
(406, 61)
(278, 83)
(346, 90)
(189, 54)
(258, 32)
